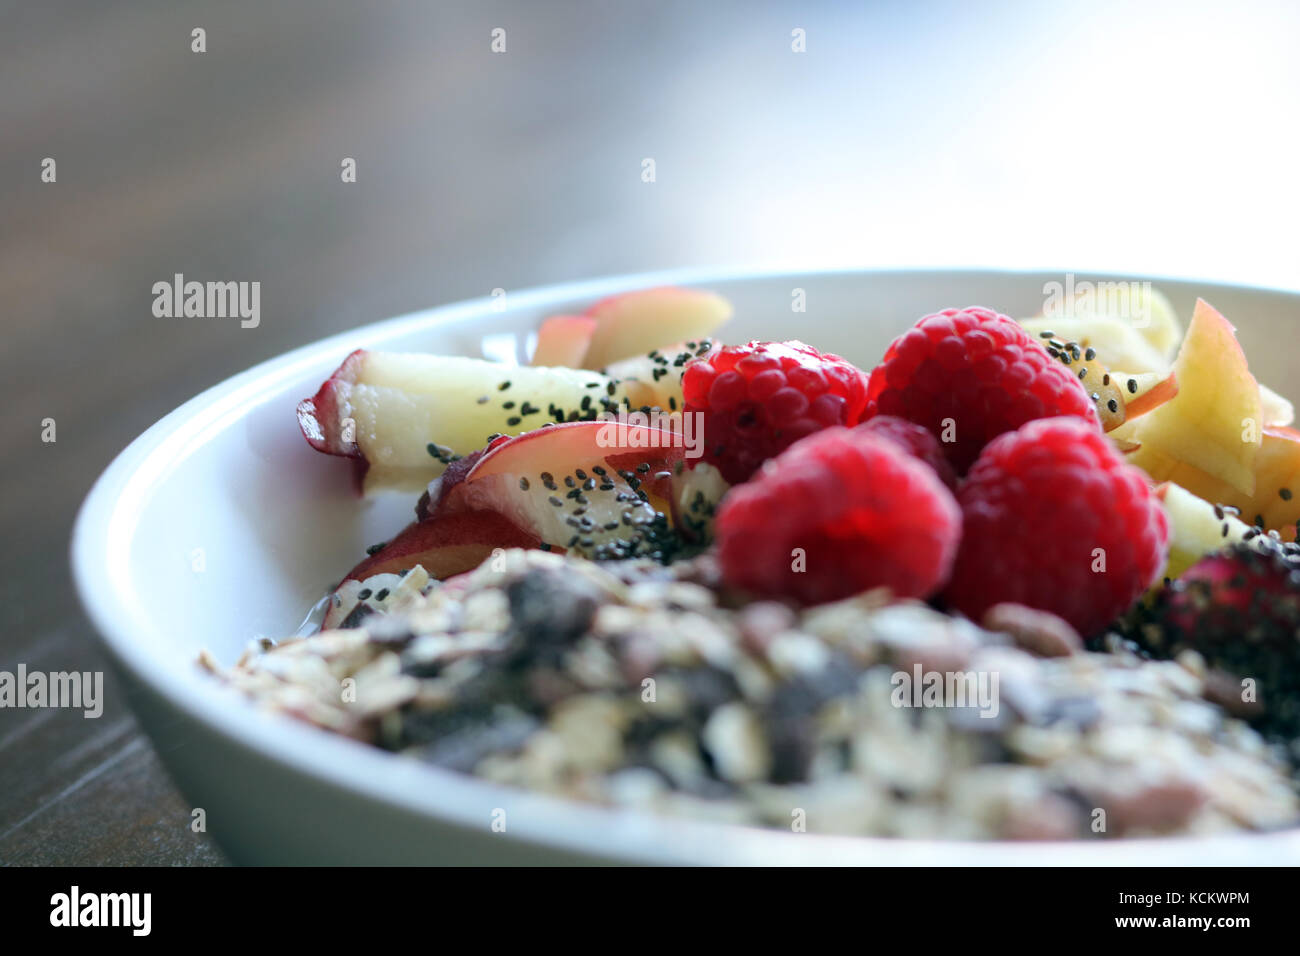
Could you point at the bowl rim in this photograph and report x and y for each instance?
(102, 536)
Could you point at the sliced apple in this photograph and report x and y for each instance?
(405, 416)
(562, 340)
(1118, 344)
(598, 488)
(696, 494)
(635, 323)
(445, 545)
(1146, 391)
(1196, 527)
(654, 380)
(1213, 423)
(1275, 409)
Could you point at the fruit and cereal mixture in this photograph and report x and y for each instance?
(1030, 580)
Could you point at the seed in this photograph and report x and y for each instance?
(569, 482)
(1225, 530)
(1218, 512)
(589, 484)
(643, 467)
(523, 484)
(382, 594)
(1047, 335)
(581, 475)
(1105, 379)
(376, 548)
(503, 386)
(1096, 397)
(556, 502)
(1285, 493)
(364, 594)
(482, 399)
(513, 420)
(1083, 373)
(507, 405)
(1132, 386)
(1113, 405)
(1090, 354)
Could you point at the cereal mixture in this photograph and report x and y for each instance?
(640, 685)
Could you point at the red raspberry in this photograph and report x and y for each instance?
(916, 440)
(1054, 519)
(759, 399)
(969, 375)
(864, 513)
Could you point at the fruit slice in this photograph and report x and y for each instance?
(1136, 305)
(654, 380)
(1146, 391)
(1275, 409)
(404, 416)
(1118, 344)
(599, 488)
(1118, 396)
(696, 494)
(445, 545)
(1196, 527)
(634, 323)
(562, 340)
(1213, 423)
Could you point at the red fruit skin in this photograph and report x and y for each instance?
(446, 545)
(864, 513)
(978, 370)
(916, 440)
(1238, 590)
(1036, 506)
(759, 399)
(321, 420)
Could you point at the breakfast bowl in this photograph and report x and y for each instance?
(220, 527)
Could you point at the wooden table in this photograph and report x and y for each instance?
(902, 134)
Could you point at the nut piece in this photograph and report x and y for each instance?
(1041, 633)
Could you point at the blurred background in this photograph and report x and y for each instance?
(1130, 137)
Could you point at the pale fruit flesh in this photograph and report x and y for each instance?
(1213, 424)
(636, 323)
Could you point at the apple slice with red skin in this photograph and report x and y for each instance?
(522, 478)
(404, 416)
(1162, 391)
(563, 340)
(634, 323)
(446, 545)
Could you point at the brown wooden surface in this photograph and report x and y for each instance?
(906, 133)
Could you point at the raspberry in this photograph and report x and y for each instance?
(863, 512)
(760, 398)
(916, 440)
(1054, 519)
(968, 375)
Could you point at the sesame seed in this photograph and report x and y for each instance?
(555, 502)
(1285, 493)
(1113, 405)
(382, 594)
(482, 400)
(1083, 373)
(1047, 335)
(1132, 386)
(523, 484)
(1090, 354)
(364, 594)
(503, 386)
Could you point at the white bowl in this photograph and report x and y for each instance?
(228, 473)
